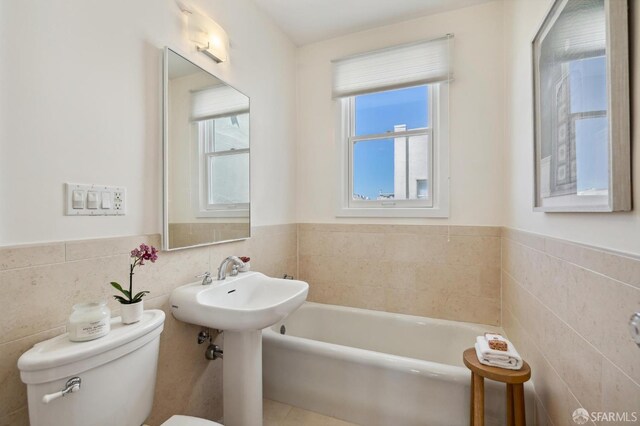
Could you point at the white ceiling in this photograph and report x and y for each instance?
(308, 21)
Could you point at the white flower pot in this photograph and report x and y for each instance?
(132, 312)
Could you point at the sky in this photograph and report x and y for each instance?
(587, 81)
(378, 113)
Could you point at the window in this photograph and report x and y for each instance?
(220, 128)
(393, 137)
(224, 163)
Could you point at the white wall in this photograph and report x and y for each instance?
(618, 231)
(476, 117)
(81, 102)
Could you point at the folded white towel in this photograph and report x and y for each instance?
(509, 359)
(494, 336)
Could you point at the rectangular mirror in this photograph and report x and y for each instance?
(206, 157)
(581, 95)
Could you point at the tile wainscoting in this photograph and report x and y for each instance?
(40, 282)
(566, 307)
(449, 272)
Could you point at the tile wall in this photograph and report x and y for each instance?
(39, 283)
(566, 308)
(449, 272)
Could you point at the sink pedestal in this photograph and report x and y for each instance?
(241, 306)
(242, 378)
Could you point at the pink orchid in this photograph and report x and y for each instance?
(139, 256)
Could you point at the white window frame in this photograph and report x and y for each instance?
(437, 204)
(201, 180)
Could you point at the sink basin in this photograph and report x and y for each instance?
(248, 301)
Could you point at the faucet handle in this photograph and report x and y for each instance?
(234, 270)
(206, 278)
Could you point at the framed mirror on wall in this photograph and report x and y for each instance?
(581, 108)
(206, 157)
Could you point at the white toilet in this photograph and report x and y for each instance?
(117, 377)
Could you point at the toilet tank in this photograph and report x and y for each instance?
(117, 373)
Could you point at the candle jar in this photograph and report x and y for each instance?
(89, 321)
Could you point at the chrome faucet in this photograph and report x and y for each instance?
(222, 270)
(206, 278)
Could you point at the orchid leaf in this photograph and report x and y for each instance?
(121, 300)
(139, 296)
(120, 289)
(116, 285)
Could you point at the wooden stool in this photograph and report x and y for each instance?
(515, 390)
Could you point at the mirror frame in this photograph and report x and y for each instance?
(618, 99)
(165, 153)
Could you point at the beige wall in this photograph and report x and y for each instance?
(84, 105)
(566, 307)
(40, 283)
(435, 271)
(476, 114)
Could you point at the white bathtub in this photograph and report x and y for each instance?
(377, 368)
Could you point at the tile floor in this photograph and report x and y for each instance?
(279, 414)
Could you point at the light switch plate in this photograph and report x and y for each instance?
(92, 200)
(77, 199)
(116, 200)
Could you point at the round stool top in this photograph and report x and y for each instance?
(503, 375)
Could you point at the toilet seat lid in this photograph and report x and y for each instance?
(188, 421)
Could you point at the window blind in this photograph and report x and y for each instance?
(217, 101)
(394, 67)
(578, 32)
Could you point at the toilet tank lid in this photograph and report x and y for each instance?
(60, 350)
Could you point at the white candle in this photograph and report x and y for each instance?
(89, 321)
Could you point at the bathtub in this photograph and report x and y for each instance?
(377, 368)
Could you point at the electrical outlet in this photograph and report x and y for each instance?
(118, 200)
(95, 200)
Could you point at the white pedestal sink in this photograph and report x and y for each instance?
(241, 306)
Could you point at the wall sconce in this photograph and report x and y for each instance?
(209, 37)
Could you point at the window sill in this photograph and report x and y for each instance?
(393, 212)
